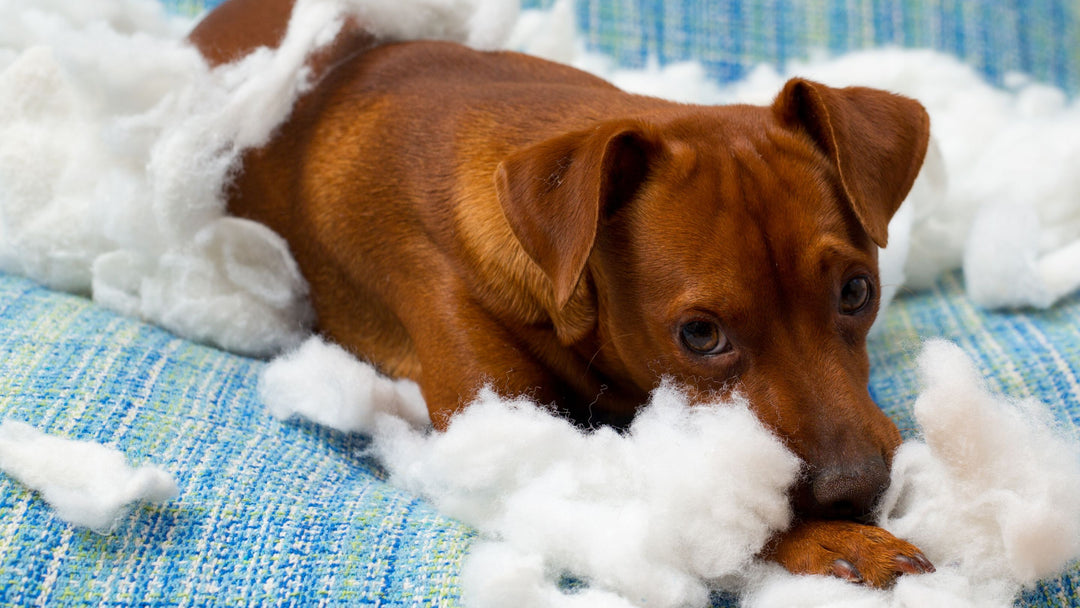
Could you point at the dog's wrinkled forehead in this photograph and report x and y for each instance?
(748, 199)
(819, 161)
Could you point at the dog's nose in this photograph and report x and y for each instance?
(848, 491)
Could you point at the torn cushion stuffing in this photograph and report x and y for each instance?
(271, 510)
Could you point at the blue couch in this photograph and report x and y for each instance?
(293, 514)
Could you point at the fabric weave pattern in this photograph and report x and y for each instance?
(268, 513)
(1039, 38)
(275, 513)
(292, 514)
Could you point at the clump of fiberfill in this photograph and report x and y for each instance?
(117, 142)
(684, 501)
(88, 484)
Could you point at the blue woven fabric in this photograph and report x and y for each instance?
(278, 513)
(268, 513)
(1021, 353)
(1040, 38)
(291, 514)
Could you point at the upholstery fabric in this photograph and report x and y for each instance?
(275, 513)
(1040, 38)
(268, 513)
(290, 514)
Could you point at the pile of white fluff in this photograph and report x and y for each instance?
(88, 484)
(990, 494)
(116, 139)
(683, 502)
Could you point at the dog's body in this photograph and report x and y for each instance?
(469, 218)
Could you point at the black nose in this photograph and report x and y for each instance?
(847, 491)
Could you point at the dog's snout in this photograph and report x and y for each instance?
(848, 492)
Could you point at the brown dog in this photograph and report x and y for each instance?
(468, 218)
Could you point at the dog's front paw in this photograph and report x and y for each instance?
(854, 552)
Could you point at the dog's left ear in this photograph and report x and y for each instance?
(876, 139)
(555, 193)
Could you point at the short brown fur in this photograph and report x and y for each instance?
(468, 218)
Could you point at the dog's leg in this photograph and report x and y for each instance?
(469, 349)
(855, 552)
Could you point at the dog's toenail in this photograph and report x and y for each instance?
(927, 567)
(916, 564)
(907, 565)
(847, 571)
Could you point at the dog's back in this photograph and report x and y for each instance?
(450, 115)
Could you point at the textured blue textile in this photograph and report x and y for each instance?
(268, 513)
(1040, 38)
(291, 514)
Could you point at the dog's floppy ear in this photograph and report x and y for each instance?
(555, 193)
(876, 139)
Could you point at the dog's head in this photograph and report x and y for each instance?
(735, 248)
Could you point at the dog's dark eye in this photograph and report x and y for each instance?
(855, 295)
(703, 337)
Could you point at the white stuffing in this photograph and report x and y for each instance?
(682, 502)
(88, 484)
(497, 575)
(115, 143)
(994, 489)
(688, 494)
(113, 186)
(1002, 264)
(991, 495)
(321, 382)
(770, 586)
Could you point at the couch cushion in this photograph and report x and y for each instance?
(267, 511)
(276, 512)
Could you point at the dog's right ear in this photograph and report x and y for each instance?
(555, 193)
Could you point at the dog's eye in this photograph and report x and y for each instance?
(703, 337)
(855, 295)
